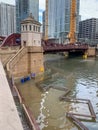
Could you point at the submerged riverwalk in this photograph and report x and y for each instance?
(9, 119)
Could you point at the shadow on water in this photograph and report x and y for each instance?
(75, 54)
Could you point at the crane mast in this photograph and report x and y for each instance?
(46, 21)
(72, 33)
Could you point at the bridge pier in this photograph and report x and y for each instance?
(91, 52)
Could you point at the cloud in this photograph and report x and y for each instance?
(42, 4)
(89, 9)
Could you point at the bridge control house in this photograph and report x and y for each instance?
(30, 32)
(29, 59)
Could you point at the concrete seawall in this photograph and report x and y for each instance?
(9, 119)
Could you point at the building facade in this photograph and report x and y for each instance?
(30, 59)
(7, 19)
(88, 31)
(30, 32)
(23, 9)
(43, 25)
(59, 18)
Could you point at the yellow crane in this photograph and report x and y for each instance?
(46, 21)
(72, 33)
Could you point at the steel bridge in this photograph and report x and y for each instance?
(11, 40)
(54, 47)
(48, 47)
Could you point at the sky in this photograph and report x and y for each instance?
(88, 8)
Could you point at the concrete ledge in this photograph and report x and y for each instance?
(91, 52)
(9, 119)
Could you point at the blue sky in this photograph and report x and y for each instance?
(88, 8)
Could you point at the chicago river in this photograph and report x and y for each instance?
(78, 75)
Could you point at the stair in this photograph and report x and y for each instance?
(12, 62)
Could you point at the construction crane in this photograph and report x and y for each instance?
(72, 33)
(46, 21)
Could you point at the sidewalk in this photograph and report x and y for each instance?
(9, 119)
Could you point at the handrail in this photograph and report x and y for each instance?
(16, 58)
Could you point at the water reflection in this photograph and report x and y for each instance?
(81, 76)
(42, 118)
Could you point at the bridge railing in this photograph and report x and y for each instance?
(61, 47)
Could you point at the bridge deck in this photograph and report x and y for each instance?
(49, 47)
(9, 119)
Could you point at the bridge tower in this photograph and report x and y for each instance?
(30, 32)
(31, 38)
(29, 59)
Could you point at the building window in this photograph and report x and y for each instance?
(39, 42)
(34, 28)
(24, 43)
(38, 29)
(26, 27)
(30, 27)
(23, 28)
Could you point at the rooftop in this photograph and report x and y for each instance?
(30, 19)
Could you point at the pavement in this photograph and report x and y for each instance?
(9, 118)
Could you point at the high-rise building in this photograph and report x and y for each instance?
(59, 18)
(7, 19)
(24, 8)
(88, 30)
(43, 24)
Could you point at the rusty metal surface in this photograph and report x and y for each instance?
(73, 116)
(47, 47)
(77, 122)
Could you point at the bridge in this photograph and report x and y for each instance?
(54, 47)
(48, 47)
(11, 40)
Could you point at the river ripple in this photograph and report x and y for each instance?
(81, 76)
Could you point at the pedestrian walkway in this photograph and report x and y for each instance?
(9, 119)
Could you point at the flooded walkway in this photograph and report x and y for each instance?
(9, 119)
(78, 75)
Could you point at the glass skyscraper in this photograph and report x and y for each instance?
(24, 8)
(7, 19)
(59, 18)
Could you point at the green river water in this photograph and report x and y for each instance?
(78, 75)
